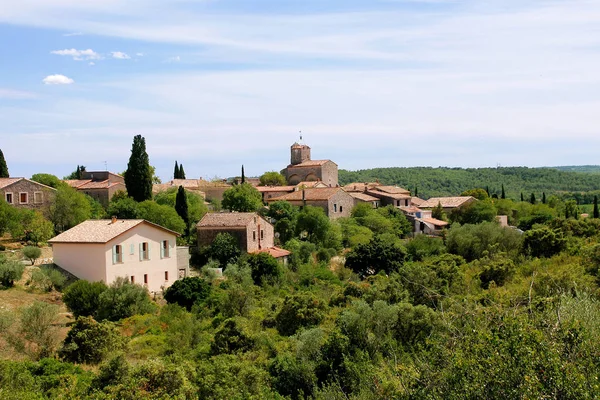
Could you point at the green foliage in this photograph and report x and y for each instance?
(38, 332)
(497, 270)
(313, 223)
(31, 253)
(438, 212)
(423, 246)
(76, 174)
(471, 241)
(292, 377)
(225, 249)
(195, 203)
(123, 299)
(82, 297)
(242, 198)
(138, 176)
(10, 271)
(123, 208)
(3, 166)
(176, 171)
(272, 178)
(161, 215)
(299, 310)
(187, 291)
(181, 207)
(479, 194)
(47, 278)
(474, 213)
(90, 342)
(46, 179)
(263, 267)
(543, 242)
(231, 338)
(377, 255)
(181, 172)
(69, 208)
(596, 212)
(29, 226)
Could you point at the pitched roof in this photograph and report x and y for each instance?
(275, 251)
(275, 188)
(416, 201)
(310, 163)
(75, 183)
(360, 186)
(226, 220)
(101, 231)
(4, 182)
(433, 221)
(392, 189)
(410, 209)
(447, 202)
(311, 184)
(363, 196)
(395, 196)
(311, 194)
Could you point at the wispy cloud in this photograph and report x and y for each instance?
(16, 94)
(73, 34)
(175, 59)
(120, 55)
(78, 55)
(57, 80)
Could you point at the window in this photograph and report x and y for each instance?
(145, 279)
(164, 249)
(23, 198)
(262, 234)
(166, 275)
(254, 235)
(9, 198)
(131, 249)
(144, 251)
(117, 254)
(340, 208)
(132, 279)
(335, 208)
(38, 197)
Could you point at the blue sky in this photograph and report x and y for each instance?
(215, 84)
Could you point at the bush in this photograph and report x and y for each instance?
(32, 253)
(123, 299)
(188, 291)
(423, 246)
(263, 267)
(543, 242)
(497, 270)
(39, 330)
(82, 298)
(292, 377)
(231, 339)
(57, 278)
(377, 255)
(299, 310)
(224, 249)
(10, 271)
(89, 341)
(47, 278)
(471, 241)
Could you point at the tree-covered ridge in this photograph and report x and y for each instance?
(588, 169)
(444, 181)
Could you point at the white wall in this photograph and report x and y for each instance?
(84, 260)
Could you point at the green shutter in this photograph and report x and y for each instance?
(132, 249)
(141, 251)
(114, 254)
(148, 257)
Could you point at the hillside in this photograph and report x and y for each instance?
(444, 181)
(588, 169)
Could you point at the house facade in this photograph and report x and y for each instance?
(99, 185)
(252, 232)
(303, 169)
(103, 250)
(334, 201)
(25, 193)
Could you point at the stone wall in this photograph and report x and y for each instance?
(340, 205)
(45, 194)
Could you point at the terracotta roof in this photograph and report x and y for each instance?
(4, 182)
(275, 188)
(313, 194)
(433, 221)
(395, 196)
(410, 209)
(360, 186)
(275, 251)
(447, 202)
(75, 183)
(416, 201)
(101, 231)
(363, 196)
(310, 163)
(392, 189)
(222, 220)
(311, 184)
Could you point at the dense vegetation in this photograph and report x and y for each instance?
(442, 181)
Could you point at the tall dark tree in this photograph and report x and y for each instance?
(532, 198)
(181, 206)
(243, 176)
(3, 166)
(487, 190)
(596, 212)
(138, 176)
(522, 198)
(543, 197)
(416, 191)
(181, 172)
(503, 195)
(176, 171)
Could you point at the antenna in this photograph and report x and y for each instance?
(105, 166)
(300, 136)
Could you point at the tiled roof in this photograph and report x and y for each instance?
(275, 251)
(310, 163)
(4, 182)
(395, 196)
(275, 188)
(311, 184)
(416, 201)
(313, 194)
(410, 209)
(433, 221)
(101, 231)
(75, 183)
(447, 202)
(362, 196)
(360, 186)
(224, 220)
(392, 189)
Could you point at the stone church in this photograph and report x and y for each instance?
(303, 169)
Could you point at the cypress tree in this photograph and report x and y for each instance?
(3, 166)
(416, 191)
(503, 195)
(543, 197)
(176, 171)
(181, 172)
(532, 198)
(181, 206)
(243, 176)
(522, 199)
(138, 176)
(596, 212)
(487, 190)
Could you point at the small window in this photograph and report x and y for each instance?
(145, 279)
(119, 253)
(262, 234)
(23, 198)
(164, 249)
(9, 198)
(254, 235)
(145, 252)
(132, 279)
(166, 275)
(335, 208)
(38, 197)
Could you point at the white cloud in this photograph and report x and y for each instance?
(16, 94)
(78, 55)
(139, 54)
(92, 63)
(175, 59)
(120, 55)
(57, 80)
(72, 34)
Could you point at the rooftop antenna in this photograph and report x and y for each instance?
(105, 166)
(300, 136)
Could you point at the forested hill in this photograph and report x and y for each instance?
(588, 169)
(442, 181)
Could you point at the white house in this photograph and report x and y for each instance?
(102, 250)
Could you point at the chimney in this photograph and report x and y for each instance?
(113, 219)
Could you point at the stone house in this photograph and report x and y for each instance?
(99, 185)
(251, 231)
(448, 203)
(25, 193)
(335, 201)
(271, 192)
(391, 195)
(102, 250)
(303, 169)
(365, 198)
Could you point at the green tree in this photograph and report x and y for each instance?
(176, 171)
(224, 249)
(32, 253)
(123, 208)
(474, 213)
(181, 206)
(231, 338)
(313, 223)
(532, 198)
(3, 166)
(479, 194)
(299, 310)
(195, 203)
(10, 271)
(377, 255)
(39, 329)
(89, 341)
(243, 179)
(293, 378)
(272, 178)
(263, 267)
(161, 215)
(596, 213)
(522, 198)
(543, 197)
(242, 198)
(138, 176)
(188, 291)
(123, 299)
(46, 179)
(438, 212)
(69, 208)
(181, 172)
(471, 241)
(82, 297)
(543, 242)
(76, 174)
(503, 195)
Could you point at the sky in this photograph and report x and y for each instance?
(215, 84)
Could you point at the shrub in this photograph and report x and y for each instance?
(224, 249)
(39, 330)
(32, 253)
(10, 271)
(498, 270)
(57, 278)
(188, 291)
(377, 255)
(89, 341)
(263, 266)
(299, 310)
(471, 241)
(231, 339)
(292, 377)
(83, 298)
(543, 242)
(423, 246)
(123, 299)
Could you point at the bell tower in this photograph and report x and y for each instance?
(299, 153)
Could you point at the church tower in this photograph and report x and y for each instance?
(299, 153)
